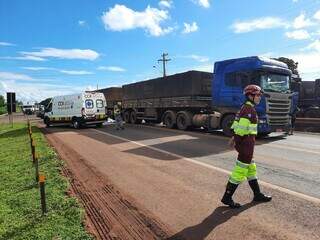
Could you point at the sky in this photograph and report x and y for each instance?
(50, 48)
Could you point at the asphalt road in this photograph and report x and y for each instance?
(179, 177)
(291, 162)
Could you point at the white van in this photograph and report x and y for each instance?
(86, 108)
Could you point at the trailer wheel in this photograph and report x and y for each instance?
(76, 123)
(133, 118)
(169, 119)
(184, 120)
(46, 121)
(226, 124)
(126, 117)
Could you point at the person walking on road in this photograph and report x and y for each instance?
(293, 120)
(118, 118)
(245, 129)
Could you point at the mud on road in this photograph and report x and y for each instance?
(109, 213)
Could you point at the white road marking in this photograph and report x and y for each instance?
(272, 186)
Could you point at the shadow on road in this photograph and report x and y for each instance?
(219, 216)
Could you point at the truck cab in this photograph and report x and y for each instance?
(232, 76)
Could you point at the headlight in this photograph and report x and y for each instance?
(262, 121)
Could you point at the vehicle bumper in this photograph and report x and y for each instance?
(265, 128)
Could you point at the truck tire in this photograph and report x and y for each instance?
(169, 119)
(133, 118)
(184, 120)
(76, 123)
(226, 124)
(126, 116)
(46, 121)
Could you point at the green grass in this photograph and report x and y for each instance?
(20, 210)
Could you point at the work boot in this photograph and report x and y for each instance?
(227, 197)
(258, 196)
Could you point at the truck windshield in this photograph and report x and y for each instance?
(275, 82)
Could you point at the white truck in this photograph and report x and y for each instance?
(87, 108)
(27, 109)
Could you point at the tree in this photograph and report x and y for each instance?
(2, 101)
(292, 65)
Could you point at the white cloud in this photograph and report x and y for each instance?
(188, 28)
(314, 46)
(111, 68)
(28, 58)
(301, 22)
(165, 3)
(86, 54)
(258, 24)
(69, 72)
(82, 23)
(120, 18)
(37, 68)
(73, 72)
(27, 92)
(202, 3)
(298, 34)
(308, 64)
(5, 76)
(6, 44)
(317, 15)
(31, 92)
(196, 57)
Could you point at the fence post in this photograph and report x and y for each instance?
(33, 151)
(37, 167)
(42, 193)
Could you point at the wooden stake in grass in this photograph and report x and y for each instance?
(33, 150)
(42, 179)
(36, 163)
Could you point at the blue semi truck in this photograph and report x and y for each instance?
(197, 99)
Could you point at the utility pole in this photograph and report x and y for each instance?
(164, 60)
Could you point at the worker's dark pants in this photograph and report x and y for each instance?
(245, 147)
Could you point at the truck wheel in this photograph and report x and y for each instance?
(126, 117)
(47, 122)
(75, 123)
(133, 118)
(170, 119)
(184, 120)
(226, 124)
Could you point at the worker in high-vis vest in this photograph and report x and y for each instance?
(245, 129)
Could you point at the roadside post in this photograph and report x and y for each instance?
(33, 150)
(37, 167)
(42, 179)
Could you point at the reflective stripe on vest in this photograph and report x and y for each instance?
(243, 126)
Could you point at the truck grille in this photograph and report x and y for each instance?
(278, 111)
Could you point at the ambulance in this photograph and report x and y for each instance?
(87, 108)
